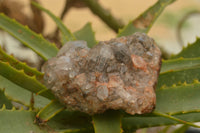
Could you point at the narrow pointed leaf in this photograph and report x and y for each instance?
(141, 121)
(29, 38)
(86, 34)
(23, 80)
(175, 119)
(191, 51)
(180, 63)
(4, 100)
(66, 32)
(63, 39)
(18, 121)
(108, 122)
(144, 22)
(21, 95)
(19, 65)
(49, 111)
(178, 76)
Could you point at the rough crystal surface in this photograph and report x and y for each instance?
(116, 74)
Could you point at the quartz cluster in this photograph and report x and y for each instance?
(116, 74)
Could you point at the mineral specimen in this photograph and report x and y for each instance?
(116, 74)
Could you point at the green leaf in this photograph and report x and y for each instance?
(23, 121)
(21, 95)
(49, 111)
(20, 78)
(180, 63)
(86, 34)
(68, 121)
(19, 65)
(178, 76)
(29, 38)
(63, 39)
(176, 99)
(144, 22)
(149, 120)
(108, 122)
(66, 32)
(15, 92)
(175, 119)
(18, 121)
(180, 70)
(191, 51)
(4, 100)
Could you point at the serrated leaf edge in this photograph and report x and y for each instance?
(177, 70)
(27, 76)
(14, 100)
(185, 47)
(38, 114)
(33, 33)
(175, 119)
(14, 109)
(10, 58)
(195, 81)
(146, 29)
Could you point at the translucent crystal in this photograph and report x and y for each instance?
(116, 74)
(102, 92)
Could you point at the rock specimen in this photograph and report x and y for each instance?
(116, 74)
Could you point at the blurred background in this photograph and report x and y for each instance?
(164, 30)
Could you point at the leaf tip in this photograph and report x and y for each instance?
(196, 81)
(21, 108)
(30, 109)
(34, 77)
(163, 86)
(13, 108)
(174, 85)
(3, 107)
(197, 38)
(21, 71)
(184, 83)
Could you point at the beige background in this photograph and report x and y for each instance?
(127, 10)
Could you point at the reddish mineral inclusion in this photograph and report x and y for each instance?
(116, 74)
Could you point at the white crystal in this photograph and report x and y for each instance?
(102, 92)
